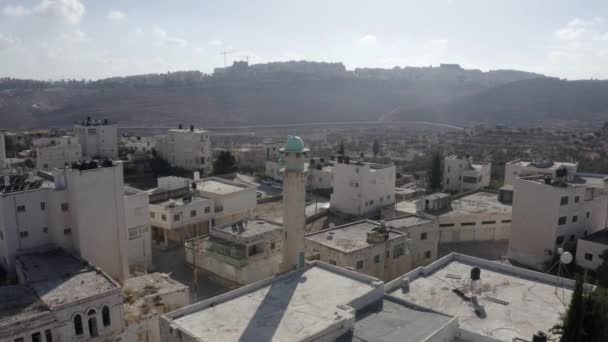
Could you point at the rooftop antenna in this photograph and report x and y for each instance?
(225, 53)
(565, 258)
(246, 57)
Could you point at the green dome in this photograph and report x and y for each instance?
(294, 144)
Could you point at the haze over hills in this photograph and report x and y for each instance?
(307, 92)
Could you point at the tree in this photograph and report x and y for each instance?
(341, 148)
(572, 327)
(224, 163)
(602, 271)
(376, 148)
(435, 171)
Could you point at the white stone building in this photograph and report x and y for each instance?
(384, 250)
(3, 163)
(60, 298)
(189, 149)
(522, 168)
(55, 152)
(98, 138)
(139, 233)
(147, 297)
(590, 248)
(550, 212)
(77, 209)
(253, 157)
(240, 253)
(362, 189)
(461, 174)
(232, 201)
(272, 148)
(320, 174)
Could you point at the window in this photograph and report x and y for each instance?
(464, 224)
(506, 221)
(574, 219)
(377, 259)
(45, 230)
(105, 316)
(192, 213)
(447, 181)
(152, 215)
(1, 235)
(20, 208)
(93, 324)
(359, 264)
(577, 199)
(78, 325)
(23, 234)
(65, 207)
(202, 160)
(588, 214)
(207, 210)
(332, 262)
(448, 169)
(488, 222)
(37, 337)
(563, 200)
(423, 236)
(163, 217)
(562, 220)
(588, 256)
(253, 250)
(42, 206)
(92, 131)
(273, 245)
(67, 231)
(176, 217)
(469, 180)
(398, 251)
(427, 254)
(446, 225)
(48, 335)
(19, 339)
(571, 237)
(559, 240)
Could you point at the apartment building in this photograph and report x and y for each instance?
(189, 149)
(522, 168)
(139, 233)
(591, 248)
(55, 152)
(79, 209)
(550, 212)
(461, 174)
(240, 253)
(60, 297)
(98, 138)
(232, 201)
(361, 189)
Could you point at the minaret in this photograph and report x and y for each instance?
(294, 203)
(3, 163)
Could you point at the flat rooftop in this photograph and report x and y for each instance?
(292, 307)
(138, 291)
(349, 237)
(600, 236)
(513, 302)
(18, 303)
(406, 221)
(179, 202)
(187, 130)
(396, 321)
(249, 228)
(478, 203)
(219, 187)
(59, 278)
(544, 164)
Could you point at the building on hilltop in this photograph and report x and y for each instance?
(361, 189)
(98, 138)
(55, 152)
(60, 298)
(461, 174)
(522, 168)
(189, 149)
(240, 253)
(549, 213)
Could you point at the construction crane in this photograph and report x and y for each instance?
(225, 53)
(246, 58)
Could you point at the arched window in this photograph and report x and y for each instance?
(105, 316)
(78, 325)
(92, 323)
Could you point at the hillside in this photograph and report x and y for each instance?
(302, 92)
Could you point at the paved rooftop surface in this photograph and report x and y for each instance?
(547, 164)
(218, 187)
(528, 306)
(249, 228)
(348, 238)
(598, 237)
(139, 291)
(404, 222)
(288, 309)
(398, 322)
(478, 203)
(19, 303)
(179, 202)
(59, 278)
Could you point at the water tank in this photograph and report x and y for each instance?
(475, 273)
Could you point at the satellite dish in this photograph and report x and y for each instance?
(560, 251)
(566, 258)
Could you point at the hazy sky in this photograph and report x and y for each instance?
(100, 38)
